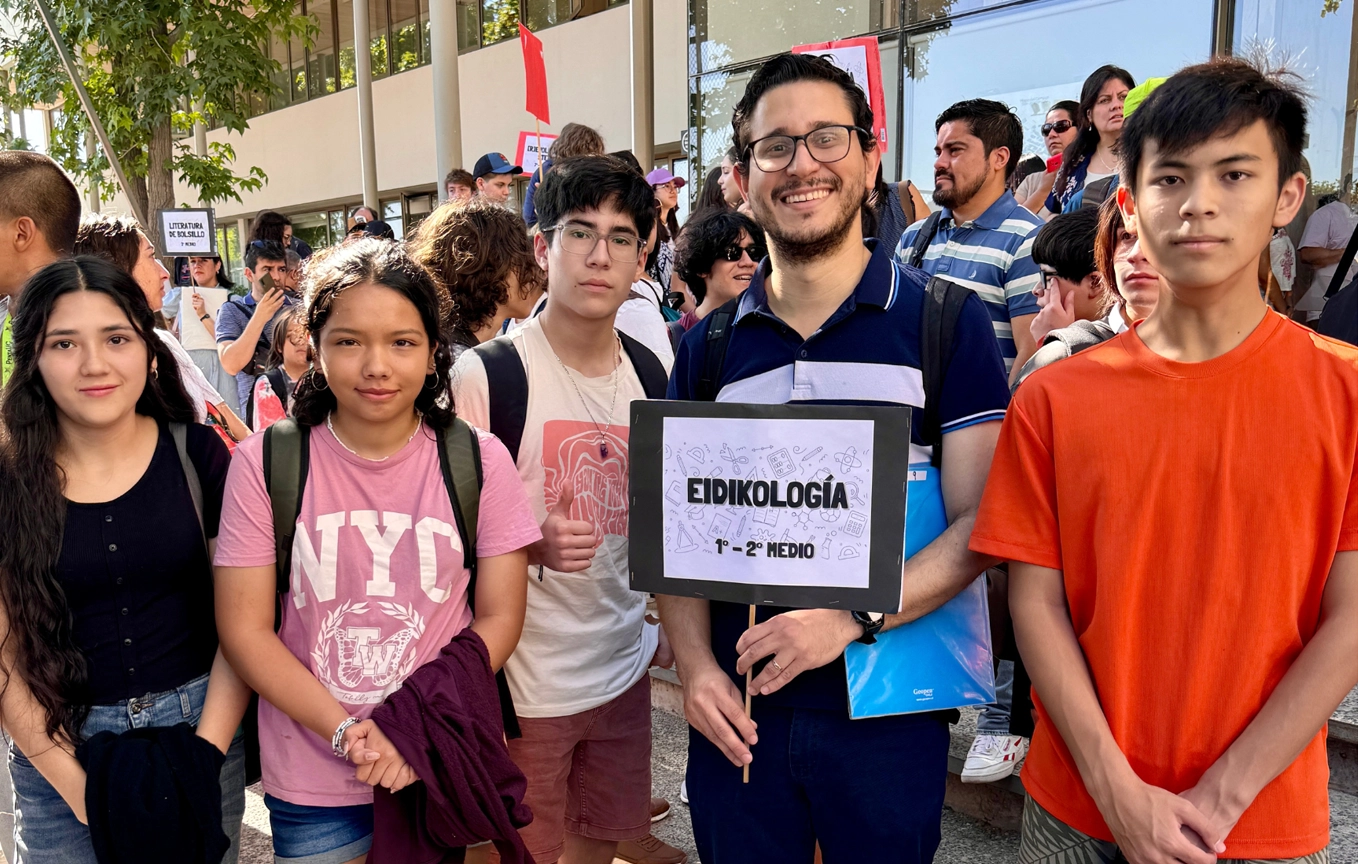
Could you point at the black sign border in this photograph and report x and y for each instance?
(211, 231)
(646, 525)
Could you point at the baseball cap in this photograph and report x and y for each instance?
(374, 228)
(495, 163)
(661, 176)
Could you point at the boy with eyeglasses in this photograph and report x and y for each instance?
(243, 324)
(579, 675)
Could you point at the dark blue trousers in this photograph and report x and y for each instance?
(866, 790)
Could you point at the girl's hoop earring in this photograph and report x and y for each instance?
(318, 381)
(435, 382)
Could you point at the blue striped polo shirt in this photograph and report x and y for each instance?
(993, 256)
(867, 352)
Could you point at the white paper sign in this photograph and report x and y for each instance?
(852, 59)
(187, 232)
(532, 150)
(768, 502)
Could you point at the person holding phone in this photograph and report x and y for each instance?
(242, 323)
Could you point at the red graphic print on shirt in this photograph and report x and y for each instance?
(571, 450)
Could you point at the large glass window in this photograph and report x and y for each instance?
(1020, 57)
(715, 97)
(296, 65)
(378, 44)
(321, 59)
(1292, 32)
(499, 20)
(344, 18)
(468, 24)
(736, 31)
(547, 13)
(406, 36)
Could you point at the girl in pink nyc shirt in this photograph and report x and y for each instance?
(378, 585)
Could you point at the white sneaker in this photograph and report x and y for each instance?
(993, 757)
(683, 792)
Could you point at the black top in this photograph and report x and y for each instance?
(137, 576)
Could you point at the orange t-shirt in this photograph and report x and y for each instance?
(1194, 510)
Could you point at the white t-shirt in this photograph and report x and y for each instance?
(1328, 228)
(195, 382)
(191, 331)
(640, 318)
(585, 638)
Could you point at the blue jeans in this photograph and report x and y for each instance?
(994, 719)
(866, 790)
(45, 829)
(308, 834)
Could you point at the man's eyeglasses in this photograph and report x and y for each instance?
(1060, 127)
(579, 240)
(733, 252)
(826, 144)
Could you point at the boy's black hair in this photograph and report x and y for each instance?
(993, 122)
(704, 238)
(1219, 97)
(589, 182)
(266, 250)
(1066, 243)
(789, 69)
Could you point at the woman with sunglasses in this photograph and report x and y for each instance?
(717, 254)
(1058, 132)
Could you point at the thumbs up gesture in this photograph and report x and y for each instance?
(567, 544)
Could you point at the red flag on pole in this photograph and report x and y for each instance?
(535, 75)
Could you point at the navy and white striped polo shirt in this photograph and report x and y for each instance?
(867, 352)
(993, 256)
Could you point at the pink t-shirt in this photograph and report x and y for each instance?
(378, 586)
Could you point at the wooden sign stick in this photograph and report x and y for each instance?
(745, 777)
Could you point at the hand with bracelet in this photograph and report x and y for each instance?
(378, 761)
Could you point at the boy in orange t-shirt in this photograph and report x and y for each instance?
(1186, 636)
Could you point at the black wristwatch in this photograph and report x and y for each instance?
(204, 317)
(872, 625)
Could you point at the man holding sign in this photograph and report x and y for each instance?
(827, 319)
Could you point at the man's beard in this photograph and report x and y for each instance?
(804, 245)
(957, 196)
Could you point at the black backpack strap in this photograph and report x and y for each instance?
(720, 325)
(507, 390)
(1342, 268)
(676, 331)
(943, 302)
(924, 237)
(460, 462)
(649, 369)
(287, 456)
(180, 433)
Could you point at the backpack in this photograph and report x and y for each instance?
(507, 384)
(943, 304)
(287, 453)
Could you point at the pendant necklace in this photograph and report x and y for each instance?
(603, 432)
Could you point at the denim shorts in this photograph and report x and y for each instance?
(45, 829)
(307, 834)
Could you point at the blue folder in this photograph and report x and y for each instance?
(943, 660)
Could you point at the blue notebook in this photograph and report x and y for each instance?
(943, 660)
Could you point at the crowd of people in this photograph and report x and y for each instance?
(361, 530)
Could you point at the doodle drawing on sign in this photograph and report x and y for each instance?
(767, 517)
(848, 460)
(721, 526)
(697, 455)
(781, 463)
(675, 494)
(736, 461)
(857, 522)
(847, 552)
(685, 541)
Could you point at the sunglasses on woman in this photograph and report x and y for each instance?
(733, 252)
(1059, 127)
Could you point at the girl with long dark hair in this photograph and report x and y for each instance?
(1093, 156)
(106, 592)
(378, 584)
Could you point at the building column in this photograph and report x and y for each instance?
(447, 95)
(363, 84)
(643, 81)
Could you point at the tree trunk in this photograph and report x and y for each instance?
(137, 195)
(159, 177)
